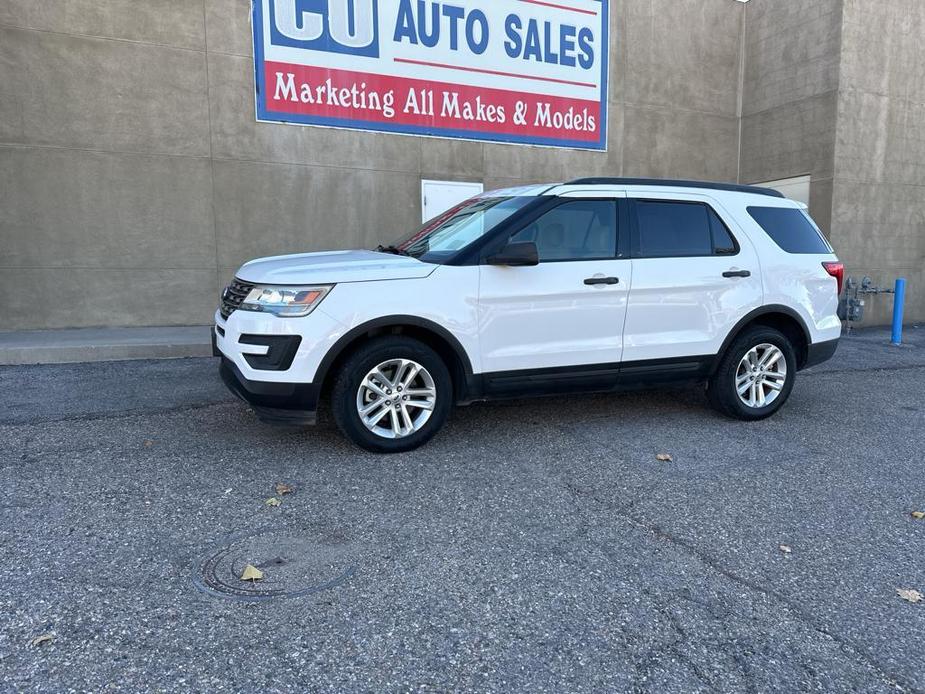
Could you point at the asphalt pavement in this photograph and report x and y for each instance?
(533, 546)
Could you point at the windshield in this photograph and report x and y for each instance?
(456, 228)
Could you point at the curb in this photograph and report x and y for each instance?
(103, 344)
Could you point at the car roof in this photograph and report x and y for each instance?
(653, 184)
(676, 183)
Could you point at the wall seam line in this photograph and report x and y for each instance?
(205, 32)
(200, 157)
(642, 105)
(833, 235)
(743, 42)
(791, 102)
(116, 39)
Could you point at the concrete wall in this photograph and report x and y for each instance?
(134, 179)
(836, 89)
(790, 95)
(879, 198)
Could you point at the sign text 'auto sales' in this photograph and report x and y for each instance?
(522, 71)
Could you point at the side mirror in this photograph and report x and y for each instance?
(516, 255)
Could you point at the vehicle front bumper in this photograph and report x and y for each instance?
(272, 363)
(294, 404)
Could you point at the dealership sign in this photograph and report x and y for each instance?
(521, 71)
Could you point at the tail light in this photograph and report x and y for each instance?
(836, 270)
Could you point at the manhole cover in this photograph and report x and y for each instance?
(294, 563)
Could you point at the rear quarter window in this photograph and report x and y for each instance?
(791, 229)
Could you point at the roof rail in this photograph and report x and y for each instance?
(732, 187)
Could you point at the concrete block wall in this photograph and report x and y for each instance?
(106, 214)
(134, 179)
(790, 95)
(878, 205)
(836, 89)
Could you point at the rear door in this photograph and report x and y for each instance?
(567, 312)
(694, 277)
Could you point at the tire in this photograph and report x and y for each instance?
(733, 372)
(356, 386)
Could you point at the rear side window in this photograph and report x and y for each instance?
(791, 229)
(668, 229)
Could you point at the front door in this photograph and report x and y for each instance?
(564, 316)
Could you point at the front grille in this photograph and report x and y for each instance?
(233, 295)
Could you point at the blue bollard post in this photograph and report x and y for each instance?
(899, 298)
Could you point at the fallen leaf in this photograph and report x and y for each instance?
(918, 515)
(909, 595)
(282, 488)
(44, 638)
(664, 457)
(148, 443)
(786, 549)
(273, 501)
(251, 573)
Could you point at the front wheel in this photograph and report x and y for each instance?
(755, 375)
(393, 394)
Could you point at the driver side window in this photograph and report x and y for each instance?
(576, 230)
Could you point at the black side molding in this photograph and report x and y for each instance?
(820, 352)
(592, 378)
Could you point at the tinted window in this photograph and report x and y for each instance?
(723, 243)
(579, 230)
(791, 229)
(672, 229)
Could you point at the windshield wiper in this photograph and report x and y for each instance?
(394, 250)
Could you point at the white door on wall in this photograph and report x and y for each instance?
(439, 196)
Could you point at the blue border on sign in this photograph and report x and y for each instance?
(264, 115)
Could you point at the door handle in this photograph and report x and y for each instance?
(737, 273)
(602, 280)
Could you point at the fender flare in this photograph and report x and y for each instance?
(757, 313)
(394, 321)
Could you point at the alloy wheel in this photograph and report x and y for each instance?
(396, 398)
(761, 376)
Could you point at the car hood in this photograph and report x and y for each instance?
(333, 267)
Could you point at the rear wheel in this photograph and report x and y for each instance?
(755, 375)
(393, 394)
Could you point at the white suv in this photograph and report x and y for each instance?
(589, 286)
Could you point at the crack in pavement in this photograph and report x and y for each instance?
(713, 563)
(877, 369)
(802, 615)
(124, 414)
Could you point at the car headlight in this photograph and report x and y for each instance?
(285, 302)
